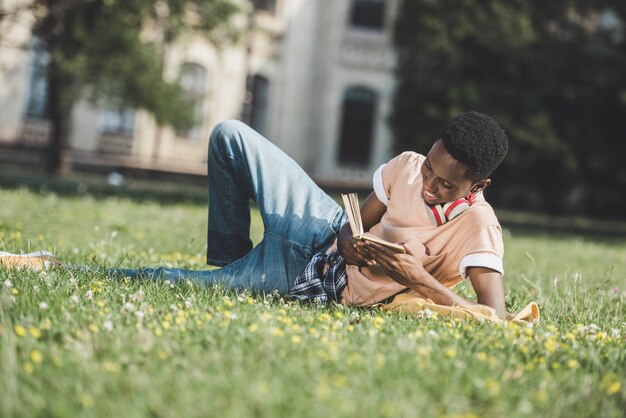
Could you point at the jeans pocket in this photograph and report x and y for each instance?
(301, 252)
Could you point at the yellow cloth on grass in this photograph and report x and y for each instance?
(39, 260)
(409, 303)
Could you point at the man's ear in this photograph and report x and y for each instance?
(481, 185)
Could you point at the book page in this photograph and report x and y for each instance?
(353, 212)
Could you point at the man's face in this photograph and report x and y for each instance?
(444, 178)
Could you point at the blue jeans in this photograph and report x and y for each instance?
(299, 218)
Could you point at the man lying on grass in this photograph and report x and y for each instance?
(432, 204)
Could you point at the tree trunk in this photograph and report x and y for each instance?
(59, 111)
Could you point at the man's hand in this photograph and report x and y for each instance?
(372, 211)
(406, 269)
(347, 246)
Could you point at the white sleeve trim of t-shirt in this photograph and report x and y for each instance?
(487, 260)
(379, 188)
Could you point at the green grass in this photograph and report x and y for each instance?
(81, 344)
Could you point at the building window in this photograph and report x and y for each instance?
(193, 80)
(368, 14)
(357, 126)
(259, 105)
(117, 121)
(38, 81)
(268, 5)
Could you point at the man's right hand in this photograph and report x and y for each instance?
(347, 249)
(372, 211)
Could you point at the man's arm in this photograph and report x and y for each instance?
(372, 210)
(489, 288)
(407, 270)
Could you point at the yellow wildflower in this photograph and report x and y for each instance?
(111, 367)
(450, 352)
(610, 384)
(492, 386)
(613, 388)
(324, 317)
(572, 364)
(264, 387)
(20, 331)
(378, 322)
(551, 345)
(29, 368)
(36, 356)
(34, 332)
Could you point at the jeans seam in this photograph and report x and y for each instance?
(218, 263)
(338, 215)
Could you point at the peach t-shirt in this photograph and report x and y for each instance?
(472, 239)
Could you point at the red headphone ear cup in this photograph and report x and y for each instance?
(454, 209)
(437, 215)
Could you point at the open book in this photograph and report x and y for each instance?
(353, 211)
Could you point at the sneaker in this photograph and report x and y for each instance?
(38, 260)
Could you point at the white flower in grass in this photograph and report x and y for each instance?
(128, 307)
(8, 284)
(139, 315)
(89, 294)
(74, 299)
(107, 325)
(43, 305)
(188, 303)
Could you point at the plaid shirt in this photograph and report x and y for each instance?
(322, 280)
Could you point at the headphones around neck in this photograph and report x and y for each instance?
(440, 214)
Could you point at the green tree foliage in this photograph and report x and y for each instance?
(552, 73)
(113, 50)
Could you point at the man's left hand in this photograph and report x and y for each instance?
(405, 269)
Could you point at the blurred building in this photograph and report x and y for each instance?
(314, 76)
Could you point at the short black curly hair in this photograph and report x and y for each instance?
(477, 141)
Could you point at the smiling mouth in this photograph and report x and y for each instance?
(429, 197)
